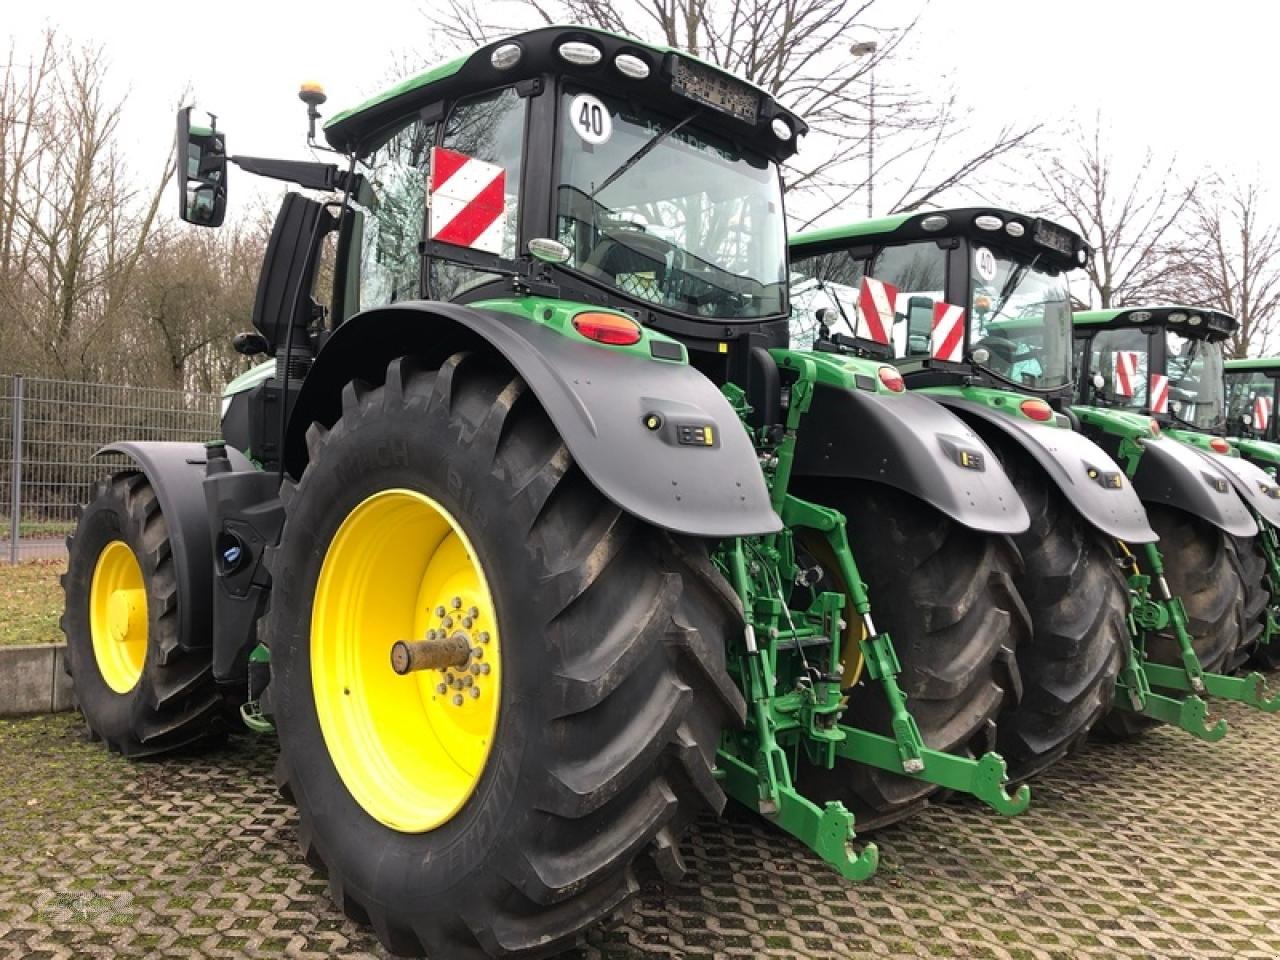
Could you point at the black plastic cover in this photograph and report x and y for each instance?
(1254, 485)
(909, 442)
(599, 399)
(1178, 475)
(176, 473)
(1068, 458)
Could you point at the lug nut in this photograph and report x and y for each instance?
(467, 622)
(478, 653)
(442, 688)
(484, 636)
(456, 602)
(475, 693)
(475, 668)
(484, 669)
(457, 699)
(467, 680)
(440, 611)
(472, 612)
(448, 678)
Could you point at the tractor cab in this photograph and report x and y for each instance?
(1251, 398)
(1163, 361)
(567, 163)
(953, 297)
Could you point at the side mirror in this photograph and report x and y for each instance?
(202, 172)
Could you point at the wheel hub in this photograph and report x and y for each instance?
(118, 616)
(409, 733)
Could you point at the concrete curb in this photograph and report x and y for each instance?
(34, 680)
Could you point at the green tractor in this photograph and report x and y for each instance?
(1164, 364)
(529, 537)
(973, 307)
(1251, 406)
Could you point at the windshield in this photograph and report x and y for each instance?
(1250, 399)
(1196, 392)
(1019, 320)
(667, 213)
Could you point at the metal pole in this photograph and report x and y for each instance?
(15, 475)
(871, 141)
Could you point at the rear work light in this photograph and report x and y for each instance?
(1036, 410)
(609, 328)
(892, 379)
(1218, 445)
(1155, 428)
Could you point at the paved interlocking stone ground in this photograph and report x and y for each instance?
(1162, 848)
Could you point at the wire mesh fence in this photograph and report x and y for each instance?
(49, 432)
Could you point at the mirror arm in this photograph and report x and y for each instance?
(305, 173)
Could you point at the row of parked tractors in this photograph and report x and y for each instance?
(573, 498)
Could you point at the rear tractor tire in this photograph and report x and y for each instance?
(1079, 601)
(1257, 604)
(946, 597)
(139, 687)
(501, 806)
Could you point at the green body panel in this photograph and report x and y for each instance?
(558, 315)
(1266, 455)
(836, 370)
(250, 378)
(1254, 363)
(1199, 440)
(1004, 402)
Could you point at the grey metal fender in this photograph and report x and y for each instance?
(1068, 458)
(176, 474)
(1254, 485)
(1178, 475)
(598, 398)
(910, 442)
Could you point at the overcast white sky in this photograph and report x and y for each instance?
(1195, 79)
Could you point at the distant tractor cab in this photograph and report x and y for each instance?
(1251, 386)
(529, 537)
(1165, 363)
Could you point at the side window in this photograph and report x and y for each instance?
(828, 281)
(919, 272)
(394, 204)
(1120, 358)
(488, 128)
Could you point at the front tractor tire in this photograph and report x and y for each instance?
(140, 688)
(945, 595)
(502, 806)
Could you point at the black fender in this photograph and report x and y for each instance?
(598, 398)
(1255, 486)
(176, 474)
(1088, 477)
(909, 442)
(1178, 475)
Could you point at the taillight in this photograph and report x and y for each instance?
(1036, 410)
(892, 379)
(1218, 445)
(610, 328)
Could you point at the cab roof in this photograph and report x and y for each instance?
(1061, 246)
(1212, 325)
(361, 127)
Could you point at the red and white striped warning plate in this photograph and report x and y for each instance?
(468, 204)
(1159, 393)
(1261, 412)
(1126, 372)
(946, 342)
(875, 309)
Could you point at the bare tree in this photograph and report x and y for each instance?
(1230, 260)
(1131, 219)
(799, 51)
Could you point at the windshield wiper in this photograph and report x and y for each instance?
(640, 154)
(1015, 279)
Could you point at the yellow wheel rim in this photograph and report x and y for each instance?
(410, 748)
(118, 616)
